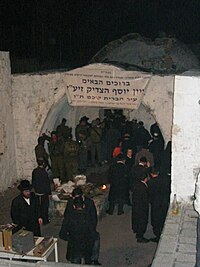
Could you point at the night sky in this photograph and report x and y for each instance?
(64, 33)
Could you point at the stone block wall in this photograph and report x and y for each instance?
(8, 172)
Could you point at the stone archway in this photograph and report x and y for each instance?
(40, 102)
(63, 110)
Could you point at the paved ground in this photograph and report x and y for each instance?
(177, 246)
(118, 244)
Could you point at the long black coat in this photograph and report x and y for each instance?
(157, 148)
(118, 182)
(89, 207)
(78, 230)
(137, 172)
(140, 208)
(40, 181)
(159, 199)
(25, 215)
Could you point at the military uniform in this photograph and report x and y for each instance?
(71, 158)
(57, 162)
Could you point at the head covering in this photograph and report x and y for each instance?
(154, 171)
(84, 118)
(94, 123)
(64, 120)
(143, 159)
(120, 157)
(40, 161)
(24, 185)
(79, 203)
(77, 192)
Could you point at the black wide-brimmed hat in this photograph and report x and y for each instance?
(24, 185)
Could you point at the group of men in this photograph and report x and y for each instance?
(94, 143)
(79, 223)
(147, 176)
(138, 164)
(31, 209)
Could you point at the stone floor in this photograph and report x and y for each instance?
(118, 244)
(177, 246)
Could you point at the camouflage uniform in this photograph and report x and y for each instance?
(71, 158)
(57, 162)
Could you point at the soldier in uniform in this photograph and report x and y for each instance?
(82, 134)
(64, 130)
(40, 151)
(56, 150)
(95, 138)
(71, 157)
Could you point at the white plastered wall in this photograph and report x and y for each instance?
(8, 171)
(186, 135)
(39, 104)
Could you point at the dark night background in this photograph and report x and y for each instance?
(67, 33)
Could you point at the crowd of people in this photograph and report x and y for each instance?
(139, 176)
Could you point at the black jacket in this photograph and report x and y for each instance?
(40, 181)
(25, 215)
(78, 229)
(140, 207)
(117, 177)
(137, 172)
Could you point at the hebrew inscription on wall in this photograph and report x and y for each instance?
(106, 88)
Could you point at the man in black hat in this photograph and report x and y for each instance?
(90, 209)
(25, 210)
(118, 185)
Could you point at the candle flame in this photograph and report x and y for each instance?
(103, 187)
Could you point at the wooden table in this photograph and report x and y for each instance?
(12, 255)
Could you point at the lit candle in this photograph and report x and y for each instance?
(103, 187)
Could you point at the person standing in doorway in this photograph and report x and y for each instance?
(41, 185)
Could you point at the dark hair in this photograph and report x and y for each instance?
(40, 161)
(77, 192)
(53, 132)
(154, 171)
(120, 157)
(40, 140)
(143, 159)
(78, 203)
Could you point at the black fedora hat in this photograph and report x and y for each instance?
(24, 185)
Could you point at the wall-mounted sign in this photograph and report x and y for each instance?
(109, 88)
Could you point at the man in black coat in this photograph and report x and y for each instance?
(156, 147)
(118, 185)
(138, 171)
(78, 230)
(142, 136)
(41, 185)
(140, 208)
(90, 209)
(25, 210)
(159, 202)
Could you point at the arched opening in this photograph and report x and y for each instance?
(62, 109)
